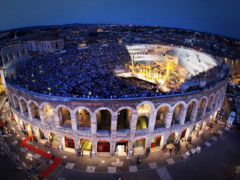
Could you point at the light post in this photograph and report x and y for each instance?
(29, 156)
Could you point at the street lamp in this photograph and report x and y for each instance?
(29, 156)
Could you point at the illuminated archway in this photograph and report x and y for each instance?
(48, 114)
(142, 122)
(123, 120)
(160, 117)
(64, 117)
(104, 120)
(103, 146)
(157, 142)
(83, 118)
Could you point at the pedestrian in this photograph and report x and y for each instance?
(52, 156)
(50, 144)
(45, 146)
(117, 153)
(171, 151)
(187, 145)
(18, 140)
(82, 152)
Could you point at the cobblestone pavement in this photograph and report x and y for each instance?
(218, 160)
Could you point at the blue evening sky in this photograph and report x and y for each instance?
(215, 16)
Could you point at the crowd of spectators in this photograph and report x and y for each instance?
(80, 73)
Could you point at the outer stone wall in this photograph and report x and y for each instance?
(24, 115)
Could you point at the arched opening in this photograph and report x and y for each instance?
(48, 114)
(83, 118)
(103, 146)
(203, 125)
(68, 142)
(144, 110)
(160, 118)
(210, 104)
(177, 114)
(122, 148)
(157, 142)
(172, 139)
(139, 146)
(7, 57)
(185, 134)
(34, 110)
(18, 53)
(40, 135)
(64, 117)
(189, 111)
(12, 55)
(201, 108)
(123, 120)
(142, 122)
(22, 125)
(16, 103)
(103, 120)
(195, 130)
(29, 130)
(24, 106)
(85, 145)
(53, 138)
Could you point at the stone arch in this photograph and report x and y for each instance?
(33, 105)
(83, 116)
(104, 118)
(185, 134)
(103, 146)
(139, 146)
(23, 105)
(16, 102)
(178, 112)
(48, 113)
(157, 142)
(39, 134)
(68, 142)
(190, 108)
(18, 53)
(195, 131)
(146, 102)
(85, 145)
(210, 102)
(202, 107)
(64, 114)
(124, 118)
(29, 129)
(160, 115)
(142, 122)
(172, 138)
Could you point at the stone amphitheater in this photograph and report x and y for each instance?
(127, 125)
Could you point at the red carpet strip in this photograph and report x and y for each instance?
(55, 160)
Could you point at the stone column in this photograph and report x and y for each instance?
(93, 123)
(114, 124)
(194, 112)
(182, 115)
(152, 121)
(168, 118)
(31, 111)
(133, 121)
(41, 116)
(56, 119)
(112, 148)
(74, 121)
(94, 147)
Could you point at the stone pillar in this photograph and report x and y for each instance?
(130, 147)
(93, 123)
(182, 115)
(31, 112)
(41, 116)
(114, 124)
(134, 121)
(56, 119)
(168, 118)
(23, 107)
(112, 148)
(194, 112)
(94, 147)
(152, 121)
(74, 122)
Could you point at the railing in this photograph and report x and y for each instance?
(103, 133)
(85, 129)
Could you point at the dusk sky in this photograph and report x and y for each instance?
(215, 16)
